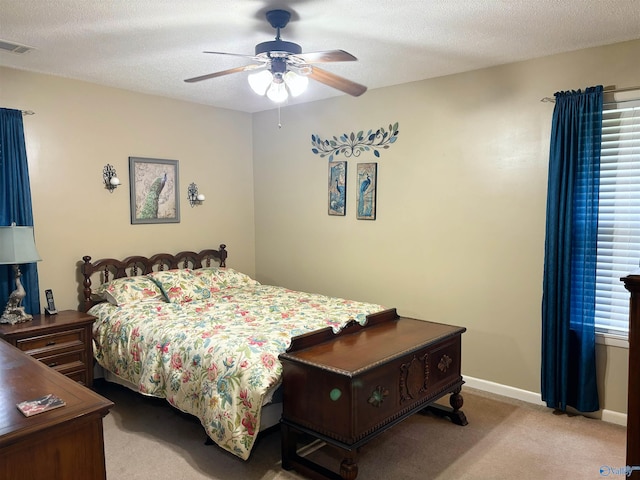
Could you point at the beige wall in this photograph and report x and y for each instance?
(78, 128)
(459, 234)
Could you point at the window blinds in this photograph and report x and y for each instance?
(618, 215)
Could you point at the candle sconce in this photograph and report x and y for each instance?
(193, 196)
(111, 180)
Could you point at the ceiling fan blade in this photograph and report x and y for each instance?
(233, 54)
(224, 72)
(339, 83)
(327, 56)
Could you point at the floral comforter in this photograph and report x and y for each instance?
(215, 358)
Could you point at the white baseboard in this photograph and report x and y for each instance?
(532, 397)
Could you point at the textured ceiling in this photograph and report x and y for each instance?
(153, 45)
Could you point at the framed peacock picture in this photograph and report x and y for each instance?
(337, 188)
(367, 189)
(154, 190)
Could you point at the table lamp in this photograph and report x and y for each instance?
(17, 246)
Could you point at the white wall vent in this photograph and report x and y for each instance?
(14, 47)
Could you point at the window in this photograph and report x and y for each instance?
(618, 214)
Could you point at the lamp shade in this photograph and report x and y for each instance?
(297, 84)
(260, 81)
(17, 246)
(277, 91)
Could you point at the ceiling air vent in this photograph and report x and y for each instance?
(14, 47)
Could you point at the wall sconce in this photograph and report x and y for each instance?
(111, 180)
(194, 197)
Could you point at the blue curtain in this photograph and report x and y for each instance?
(15, 204)
(568, 302)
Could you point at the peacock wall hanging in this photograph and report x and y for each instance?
(154, 190)
(353, 145)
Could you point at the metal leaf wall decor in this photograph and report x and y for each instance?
(355, 143)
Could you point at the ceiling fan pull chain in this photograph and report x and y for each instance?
(279, 124)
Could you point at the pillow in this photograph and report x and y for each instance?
(219, 278)
(131, 289)
(181, 286)
(209, 276)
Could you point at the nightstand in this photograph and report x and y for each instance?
(62, 342)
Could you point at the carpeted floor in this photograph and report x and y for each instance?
(505, 439)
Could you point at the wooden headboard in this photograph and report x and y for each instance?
(107, 269)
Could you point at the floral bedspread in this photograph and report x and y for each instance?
(215, 358)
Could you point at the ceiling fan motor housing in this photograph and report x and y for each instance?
(278, 46)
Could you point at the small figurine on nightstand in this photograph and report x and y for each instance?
(14, 312)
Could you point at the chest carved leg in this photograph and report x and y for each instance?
(454, 413)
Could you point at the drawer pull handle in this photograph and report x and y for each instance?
(52, 342)
(54, 364)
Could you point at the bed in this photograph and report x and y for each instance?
(203, 336)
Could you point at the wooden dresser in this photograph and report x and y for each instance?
(632, 283)
(61, 341)
(61, 444)
(347, 388)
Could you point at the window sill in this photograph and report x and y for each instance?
(612, 340)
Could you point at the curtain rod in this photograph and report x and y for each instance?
(606, 90)
(28, 112)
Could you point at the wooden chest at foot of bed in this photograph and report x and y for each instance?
(347, 388)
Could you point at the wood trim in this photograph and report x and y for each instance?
(326, 334)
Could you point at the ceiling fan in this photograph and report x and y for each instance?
(281, 69)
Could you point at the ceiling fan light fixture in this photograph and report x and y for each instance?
(296, 84)
(260, 81)
(277, 91)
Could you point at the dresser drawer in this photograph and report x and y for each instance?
(61, 359)
(79, 376)
(72, 364)
(68, 339)
(75, 370)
